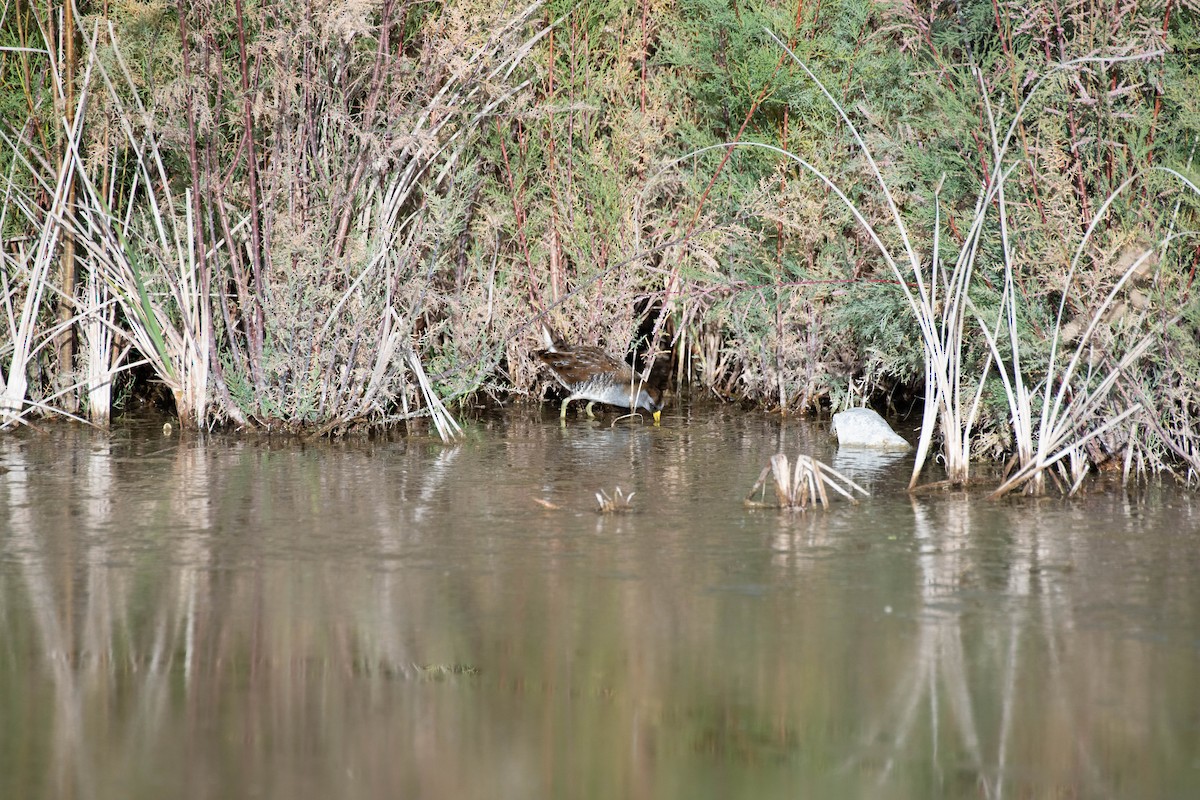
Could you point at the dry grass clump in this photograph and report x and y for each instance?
(802, 485)
(618, 501)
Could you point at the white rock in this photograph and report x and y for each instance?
(862, 427)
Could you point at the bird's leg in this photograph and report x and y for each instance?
(563, 413)
(589, 410)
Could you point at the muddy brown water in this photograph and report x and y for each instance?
(222, 616)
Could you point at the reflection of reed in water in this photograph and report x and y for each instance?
(982, 675)
(937, 665)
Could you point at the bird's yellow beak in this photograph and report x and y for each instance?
(657, 414)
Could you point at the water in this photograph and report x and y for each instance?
(227, 616)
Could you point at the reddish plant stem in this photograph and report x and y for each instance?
(1187, 291)
(193, 155)
(257, 251)
(1006, 43)
(645, 47)
(22, 14)
(66, 302)
(382, 56)
(556, 278)
(1158, 93)
(216, 188)
(519, 214)
(672, 287)
(1072, 126)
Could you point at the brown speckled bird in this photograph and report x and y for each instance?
(589, 373)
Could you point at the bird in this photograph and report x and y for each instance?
(589, 373)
